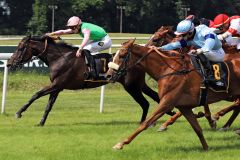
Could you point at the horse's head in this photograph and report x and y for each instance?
(163, 36)
(117, 67)
(26, 49)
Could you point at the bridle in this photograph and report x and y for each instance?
(123, 68)
(24, 49)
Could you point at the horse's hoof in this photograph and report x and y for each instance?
(118, 146)
(39, 125)
(17, 115)
(162, 129)
(213, 125)
(237, 131)
(200, 114)
(214, 118)
(223, 129)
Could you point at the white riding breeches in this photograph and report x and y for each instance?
(97, 46)
(215, 55)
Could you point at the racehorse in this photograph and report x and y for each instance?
(67, 72)
(165, 35)
(178, 83)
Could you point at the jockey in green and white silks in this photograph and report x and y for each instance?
(201, 37)
(98, 39)
(95, 39)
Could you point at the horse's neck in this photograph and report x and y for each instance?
(54, 54)
(156, 65)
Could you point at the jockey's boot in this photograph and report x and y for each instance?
(91, 62)
(207, 66)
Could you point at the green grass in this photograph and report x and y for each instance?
(76, 130)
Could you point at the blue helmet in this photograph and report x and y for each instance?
(184, 26)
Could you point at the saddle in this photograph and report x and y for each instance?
(220, 72)
(101, 61)
(220, 81)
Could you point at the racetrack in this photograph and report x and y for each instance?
(76, 130)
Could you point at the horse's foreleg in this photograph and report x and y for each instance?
(140, 99)
(208, 116)
(189, 115)
(160, 111)
(52, 98)
(46, 90)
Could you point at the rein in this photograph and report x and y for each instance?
(44, 50)
(176, 72)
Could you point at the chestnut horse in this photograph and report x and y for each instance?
(178, 83)
(67, 72)
(165, 35)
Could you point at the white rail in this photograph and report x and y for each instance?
(76, 38)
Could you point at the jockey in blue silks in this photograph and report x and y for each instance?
(209, 47)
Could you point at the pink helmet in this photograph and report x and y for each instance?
(73, 21)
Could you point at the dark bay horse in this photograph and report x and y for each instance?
(165, 35)
(178, 81)
(67, 72)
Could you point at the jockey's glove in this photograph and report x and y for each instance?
(199, 51)
(220, 37)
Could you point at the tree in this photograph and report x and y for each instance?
(38, 23)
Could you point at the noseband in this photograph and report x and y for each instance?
(123, 68)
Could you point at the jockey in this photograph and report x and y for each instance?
(201, 37)
(95, 39)
(229, 26)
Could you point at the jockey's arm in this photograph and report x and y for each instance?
(86, 36)
(224, 35)
(209, 43)
(61, 32)
(174, 45)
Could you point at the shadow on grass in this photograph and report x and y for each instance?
(199, 148)
(97, 123)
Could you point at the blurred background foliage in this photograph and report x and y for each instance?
(138, 16)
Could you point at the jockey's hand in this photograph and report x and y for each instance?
(220, 37)
(50, 34)
(79, 52)
(193, 51)
(152, 48)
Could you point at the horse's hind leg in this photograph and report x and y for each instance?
(235, 106)
(52, 98)
(170, 121)
(189, 115)
(46, 90)
(231, 119)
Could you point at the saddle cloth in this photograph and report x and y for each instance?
(220, 72)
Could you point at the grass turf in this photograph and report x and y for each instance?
(76, 130)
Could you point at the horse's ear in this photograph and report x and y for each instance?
(167, 30)
(134, 39)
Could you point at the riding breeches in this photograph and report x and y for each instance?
(97, 46)
(215, 55)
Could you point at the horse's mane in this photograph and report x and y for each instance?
(52, 41)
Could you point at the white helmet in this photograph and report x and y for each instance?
(73, 21)
(184, 26)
